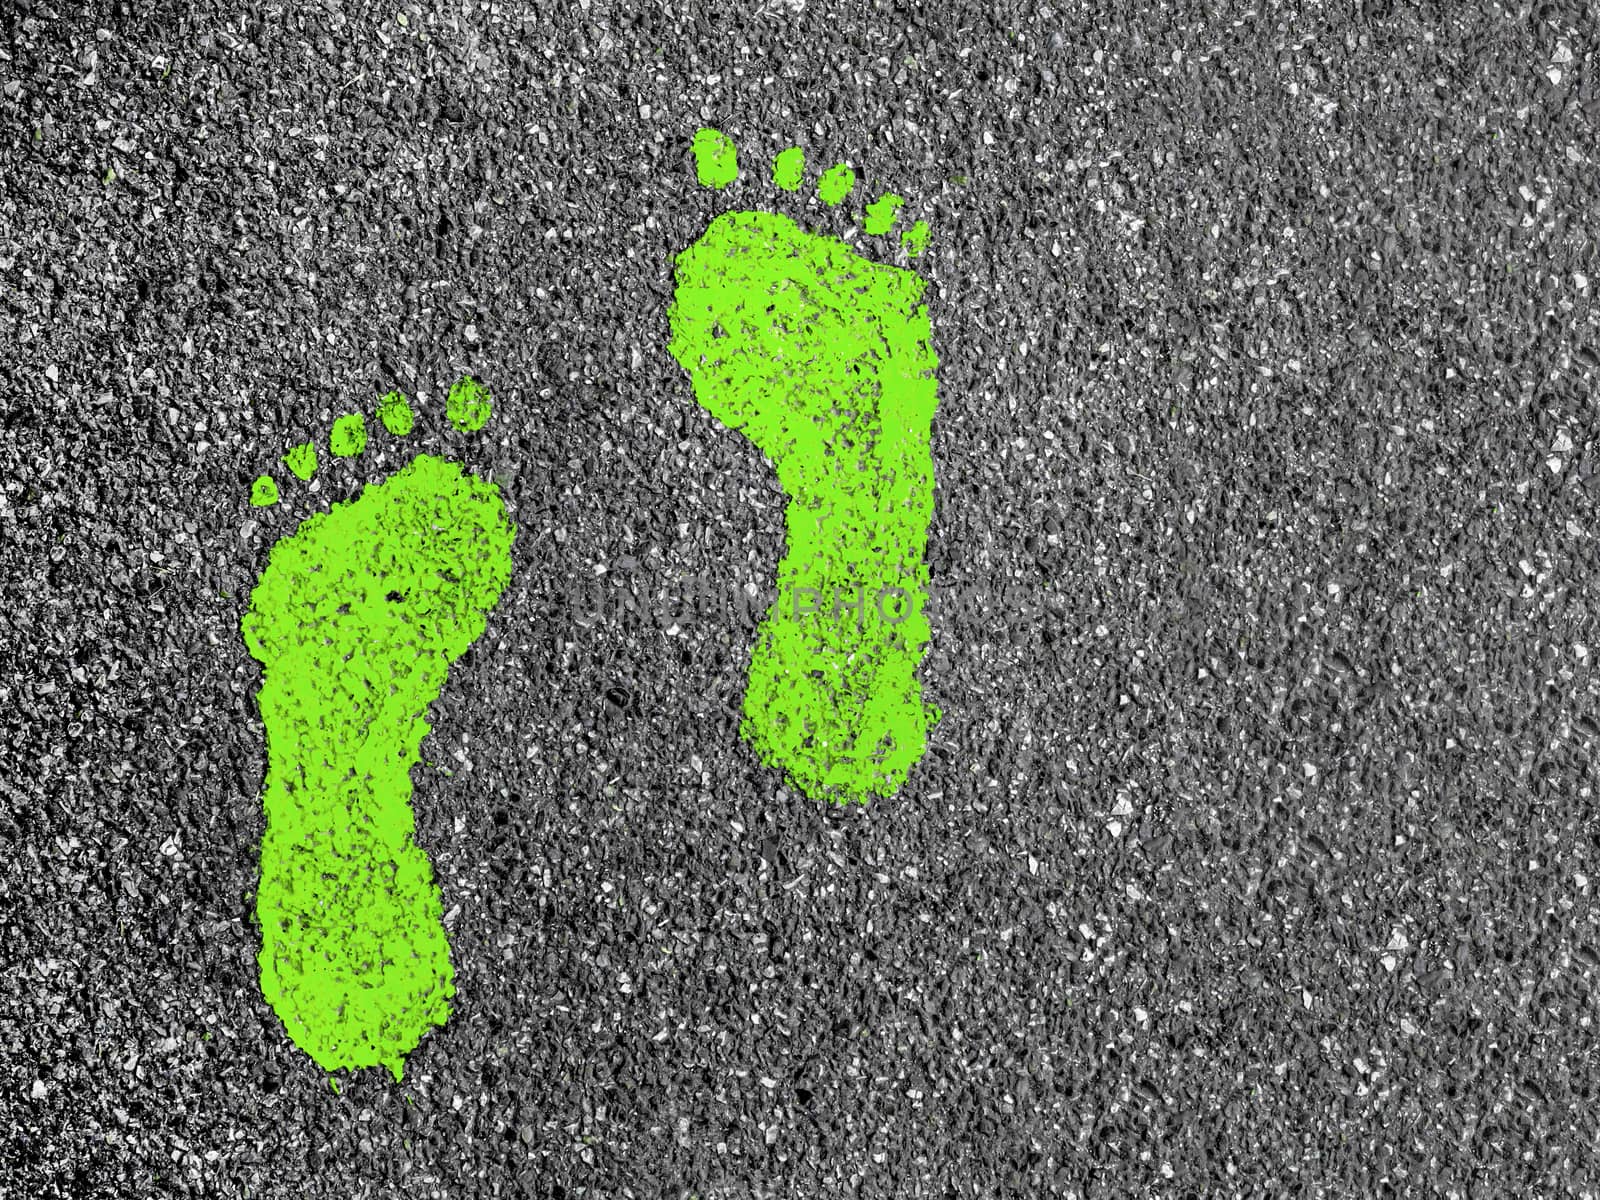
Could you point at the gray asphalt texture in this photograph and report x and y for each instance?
(1261, 865)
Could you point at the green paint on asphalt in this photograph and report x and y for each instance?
(825, 361)
(356, 619)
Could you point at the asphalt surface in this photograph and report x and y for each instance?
(1262, 863)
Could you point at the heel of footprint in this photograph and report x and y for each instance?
(468, 408)
(716, 160)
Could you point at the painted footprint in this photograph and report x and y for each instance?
(355, 621)
(824, 360)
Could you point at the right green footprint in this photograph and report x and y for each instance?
(824, 360)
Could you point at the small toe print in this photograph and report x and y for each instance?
(915, 239)
(835, 184)
(349, 436)
(395, 413)
(301, 461)
(881, 213)
(468, 405)
(789, 168)
(264, 492)
(716, 160)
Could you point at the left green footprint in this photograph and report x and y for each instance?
(355, 621)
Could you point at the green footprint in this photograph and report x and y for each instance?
(355, 621)
(824, 360)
